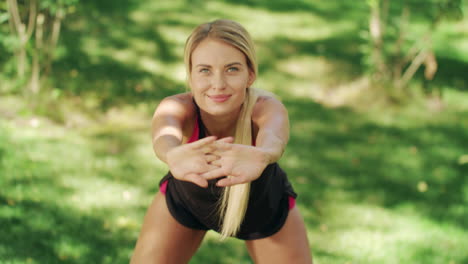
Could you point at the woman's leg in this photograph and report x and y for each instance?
(289, 245)
(162, 239)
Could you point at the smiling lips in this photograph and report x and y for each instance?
(219, 98)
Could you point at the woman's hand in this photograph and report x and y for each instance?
(186, 162)
(243, 163)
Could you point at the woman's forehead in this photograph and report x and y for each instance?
(213, 52)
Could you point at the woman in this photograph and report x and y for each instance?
(221, 142)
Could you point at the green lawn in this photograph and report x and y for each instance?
(377, 182)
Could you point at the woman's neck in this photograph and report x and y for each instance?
(220, 126)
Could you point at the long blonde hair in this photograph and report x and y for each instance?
(234, 200)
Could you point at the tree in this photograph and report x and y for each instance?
(392, 53)
(34, 29)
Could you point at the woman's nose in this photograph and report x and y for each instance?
(219, 81)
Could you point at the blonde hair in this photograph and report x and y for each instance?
(225, 30)
(234, 200)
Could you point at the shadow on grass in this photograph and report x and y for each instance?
(48, 233)
(122, 147)
(38, 226)
(332, 10)
(85, 68)
(392, 166)
(331, 48)
(451, 73)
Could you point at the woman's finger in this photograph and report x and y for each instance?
(229, 181)
(226, 140)
(217, 162)
(209, 158)
(208, 168)
(208, 148)
(197, 179)
(221, 147)
(203, 142)
(213, 174)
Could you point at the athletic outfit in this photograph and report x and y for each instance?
(271, 198)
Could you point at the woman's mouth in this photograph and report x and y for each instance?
(219, 98)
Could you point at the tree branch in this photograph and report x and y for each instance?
(32, 18)
(411, 70)
(14, 14)
(399, 43)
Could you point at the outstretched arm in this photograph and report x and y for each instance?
(271, 118)
(167, 124)
(185, 161)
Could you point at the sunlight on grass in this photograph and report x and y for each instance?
(93, 48)
(67, 248)
(457, 33)
(315, 77)
(266, 25)
(369, 234)
(91, 192)
(457, 99)
(305, 67)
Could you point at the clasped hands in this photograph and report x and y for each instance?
(209, 158)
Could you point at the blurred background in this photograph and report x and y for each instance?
(376, 92)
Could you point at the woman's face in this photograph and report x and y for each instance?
(219, 77)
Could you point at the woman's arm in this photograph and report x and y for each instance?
(168, 123)
(270, 118)
(186, 161)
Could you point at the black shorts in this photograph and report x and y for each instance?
(197, 208)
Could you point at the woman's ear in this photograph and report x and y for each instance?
(252, 78)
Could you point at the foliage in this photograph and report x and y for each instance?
(399, 38)
(30, 31)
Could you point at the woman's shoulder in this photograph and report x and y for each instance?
(264, 96)
(266, 103)
(182, 99)
(178, 104)
(179, 107)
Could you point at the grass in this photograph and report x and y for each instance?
(377, 182)
(373, 188)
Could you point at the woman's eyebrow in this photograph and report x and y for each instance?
(232, 64)
(203, 65)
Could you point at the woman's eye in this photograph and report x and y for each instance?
(204, 70)
(233, 69)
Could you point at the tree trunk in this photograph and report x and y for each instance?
(53, 40)
(22, 32)
(35, 84)
(400, 62)
(376, 27)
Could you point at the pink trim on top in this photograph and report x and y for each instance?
(292, 202)
(163, 187)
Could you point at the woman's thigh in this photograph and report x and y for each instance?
(289, 245)
(163, 239)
